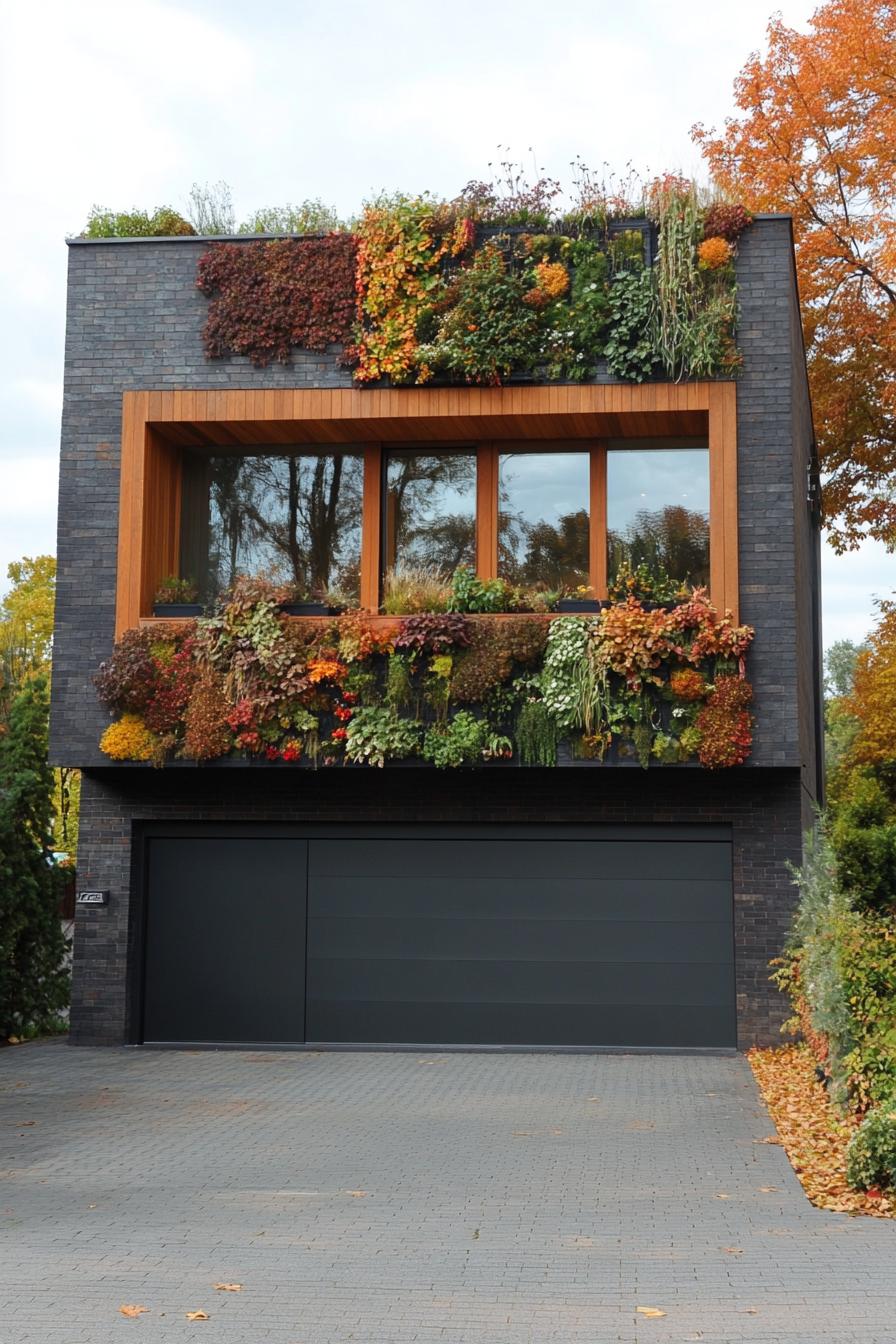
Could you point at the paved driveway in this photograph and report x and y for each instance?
(382, 1198)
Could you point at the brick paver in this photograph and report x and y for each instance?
(383, 1198)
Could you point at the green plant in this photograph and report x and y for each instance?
(173, 589)
(696, 310)
(409, 589)
(470, 593)
(162, 223)
(33, 978)
(536, 734)
(863, 835)
(376, 735)
(488, 331)
(459, 741)
(629, 348)
(310, 216)
(646, 584)
(560, 680)
(871, 1156)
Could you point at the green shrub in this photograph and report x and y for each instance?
(376, 735)
(460, 741)
(162, 223)
(871, 1156)
(864, 842)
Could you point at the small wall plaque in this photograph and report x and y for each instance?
(92, 898)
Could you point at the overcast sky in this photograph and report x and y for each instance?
(124, 104)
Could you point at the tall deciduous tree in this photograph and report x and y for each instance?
(33, 979)
(817, 138)
(26, 623)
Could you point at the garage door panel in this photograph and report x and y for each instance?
(489, 859)
(225, 940)
(558, 897)
(411, 938)
(530, 1024)
(488, 982)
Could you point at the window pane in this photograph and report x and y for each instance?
(658, 511)
(543, 518)
(293, 519)
(430, 510)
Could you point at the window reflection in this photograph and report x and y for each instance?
(543, 519)
(430, 510)
(658, 510)
(293, 519)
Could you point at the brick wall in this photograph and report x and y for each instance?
(134, 321)
(762, 808)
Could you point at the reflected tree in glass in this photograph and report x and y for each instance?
(543, 519)
(294, 519)
(430, 511)
(658, 511)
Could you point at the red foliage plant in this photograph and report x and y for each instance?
(726, 221)
(726, 725)
(267, 298)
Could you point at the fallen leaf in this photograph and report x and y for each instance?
(91, 1206)
(229, 1287)
(733, 1250)
(132, 1311)
(748, 1311)
(812, 1132)
(771, 1138)
(594, 1098)
(357, 1194)
(652, 1312)
(521, 1134)
(197, 1315)
(13, 1040)
(25, 1124)
(768, 1189)
(721, 1195)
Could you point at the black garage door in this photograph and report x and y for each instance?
(492, 941)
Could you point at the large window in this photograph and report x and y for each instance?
(543, 518)
(430, 517)
(658, 509)
(295, 519)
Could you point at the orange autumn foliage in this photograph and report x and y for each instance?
(814, 137)
(873, 698)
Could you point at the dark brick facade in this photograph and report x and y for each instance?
(134, 322)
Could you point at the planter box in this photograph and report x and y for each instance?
(308, 609)
(176, 610)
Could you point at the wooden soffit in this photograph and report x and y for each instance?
(241, 419)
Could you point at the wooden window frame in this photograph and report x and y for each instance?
(157, 425)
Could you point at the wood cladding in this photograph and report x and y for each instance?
(156, 425)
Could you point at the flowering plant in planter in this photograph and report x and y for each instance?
(453, 689)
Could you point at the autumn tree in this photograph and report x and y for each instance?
(26, 623)
(873, 699)
(817, 138)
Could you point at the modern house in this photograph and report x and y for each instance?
(590, 903)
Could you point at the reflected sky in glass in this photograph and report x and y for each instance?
(543, 517)
(658, 510)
